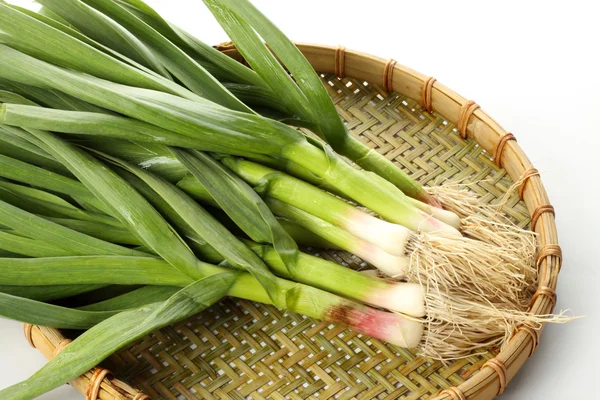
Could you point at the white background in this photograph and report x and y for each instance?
(534, 67)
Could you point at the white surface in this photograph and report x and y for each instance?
(534, 67)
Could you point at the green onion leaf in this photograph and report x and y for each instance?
(20, 171)
(243, 205)
(182, 66)
(99, 27)
(126, 203)
(29, 247)
(38, 228)
(94, 345)
(38, 313)
(47, 43)
(207, 227)
(101, 231)
(134, 299)
(54, 204)
(47, 292)
(89, 270)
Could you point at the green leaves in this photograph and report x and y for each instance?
(94, 345)
(243, 205)
(233, 70)
(29, 247)
(92, 123)
(220, 129)
(134, 299)
(183, 67)
(305, 94)
(125, 202)
(38, 313)
(207, 227)
(56, 235)
(260, 58)
(99, 27)
(101, 231)
(90, 270)
(49, 204)
(47, 43)
(19, 171)
(10, 97)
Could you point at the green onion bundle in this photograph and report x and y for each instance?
(144, 176)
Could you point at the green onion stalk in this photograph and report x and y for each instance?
(401, 253)
(308, 269)
(452, 262)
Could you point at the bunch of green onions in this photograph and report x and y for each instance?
(133, 155)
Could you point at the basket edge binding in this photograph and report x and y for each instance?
(472, 122)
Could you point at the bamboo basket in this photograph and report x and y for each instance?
(243, 350)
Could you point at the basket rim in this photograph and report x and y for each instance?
(472, 122)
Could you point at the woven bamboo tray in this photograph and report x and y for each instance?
(239, 350)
